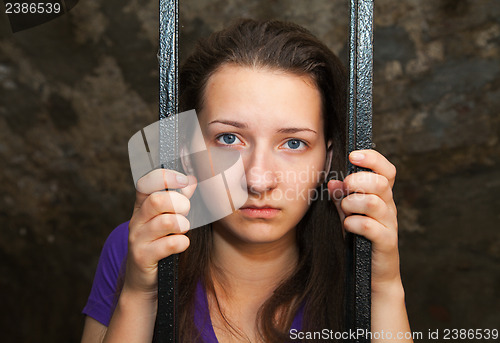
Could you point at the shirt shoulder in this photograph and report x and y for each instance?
(109, 273)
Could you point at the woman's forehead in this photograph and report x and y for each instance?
(263, 97)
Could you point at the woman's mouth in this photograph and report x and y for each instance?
(264, 212)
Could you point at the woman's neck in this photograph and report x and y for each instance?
(245, 276)
(252, 268)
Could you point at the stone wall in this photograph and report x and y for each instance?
(73, 91)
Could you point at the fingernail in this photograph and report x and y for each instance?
(182, 179)
(357, 156)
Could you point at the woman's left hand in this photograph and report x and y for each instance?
(366, 206)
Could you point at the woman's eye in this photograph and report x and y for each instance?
(228, 139)
(295, 144)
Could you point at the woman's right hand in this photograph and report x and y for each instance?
(156, 230)
(157, 227)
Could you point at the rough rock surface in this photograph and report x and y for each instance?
(72, 92)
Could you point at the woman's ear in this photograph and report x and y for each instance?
(329, 156)
(328, 162)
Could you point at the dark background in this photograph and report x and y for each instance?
(74, 90)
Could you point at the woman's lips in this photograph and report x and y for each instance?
(260, 212)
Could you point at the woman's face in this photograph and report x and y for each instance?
(274, 120)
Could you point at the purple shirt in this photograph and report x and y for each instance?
(103, 296)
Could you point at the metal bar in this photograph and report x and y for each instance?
(359, 137)
(166, 326)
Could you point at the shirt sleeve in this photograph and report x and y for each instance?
(110, 269)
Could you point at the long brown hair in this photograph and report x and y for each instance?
(318, 279)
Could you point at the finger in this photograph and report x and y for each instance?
(369, 183)
(157, 180)
(160, 226)
(370, 205)
(371, 229)
(336, 189)
(375, 161)
(188, 191)
(168, 245)
(159, 203)
(160, 179)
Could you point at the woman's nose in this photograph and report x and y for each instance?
(260, 174)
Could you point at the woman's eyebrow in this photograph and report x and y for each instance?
(245, 126)
(231, 123)
(294, 130)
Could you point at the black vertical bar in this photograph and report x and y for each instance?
(359, 137)
(166, 326)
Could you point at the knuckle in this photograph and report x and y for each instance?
(371, 229)
(382, 184)
(132, 237)
(372, 202)
(137, 257)
(167, 221)
(366, 225)
(156, 200)
(170, 244)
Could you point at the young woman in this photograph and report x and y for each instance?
(274, 93)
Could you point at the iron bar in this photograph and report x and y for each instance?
(166, 326)
(359, 137)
